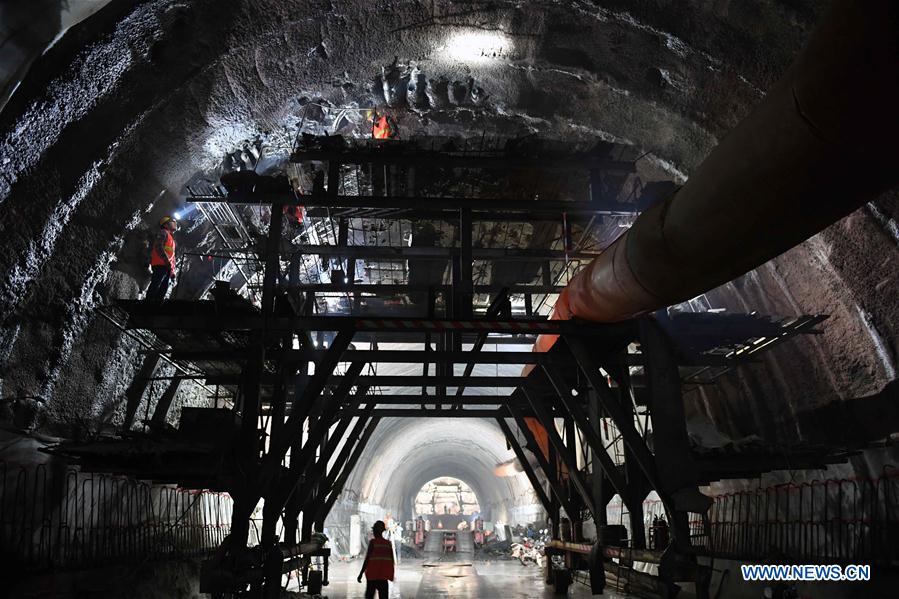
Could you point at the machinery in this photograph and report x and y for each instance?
(477, 532)
(420, 533)
(234, 569)
(449, 542)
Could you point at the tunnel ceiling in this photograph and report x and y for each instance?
(135, 101)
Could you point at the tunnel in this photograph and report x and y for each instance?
(615, 280)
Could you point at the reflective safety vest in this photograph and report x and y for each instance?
(295, 211)
(169, 248)
(380, 560)
(381, 128)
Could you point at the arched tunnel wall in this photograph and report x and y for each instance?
(129, 104)
(110, 123)
(404, 454)
(107, 127)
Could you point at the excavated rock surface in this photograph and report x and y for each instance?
(121, 112)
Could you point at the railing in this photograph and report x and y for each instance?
(836, 520)
(850, 520)
(53, 517)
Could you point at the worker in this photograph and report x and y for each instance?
(378, 564)
(291, 229)
(381, 128)
(396, 540)
(162, 259)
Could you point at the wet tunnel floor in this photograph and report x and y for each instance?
(459, 576)
(506, 579)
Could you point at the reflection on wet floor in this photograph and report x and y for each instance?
(456, 576)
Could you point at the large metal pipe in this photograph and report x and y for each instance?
(821, 144)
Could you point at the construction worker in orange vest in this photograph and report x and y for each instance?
(382, 128)
(378, 564)
(162, 259)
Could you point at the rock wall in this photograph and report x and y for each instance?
(131, 103)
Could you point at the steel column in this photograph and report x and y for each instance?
(548, 467)
(300, 463)
(330, 476)
(525, 465)
(293, 426)
(323, 510)
(589, 432)
(165, 403)
(272, 258)
(624, 420)
(677, 469)
(138, 385)
(573, 473)
(499, 305)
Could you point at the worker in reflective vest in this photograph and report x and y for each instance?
(162, 259)
(378, 564)
(381, 128)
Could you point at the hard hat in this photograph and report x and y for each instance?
(165, 219)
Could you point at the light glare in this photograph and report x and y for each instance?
(477, 46)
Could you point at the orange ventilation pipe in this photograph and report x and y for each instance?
(822, 143)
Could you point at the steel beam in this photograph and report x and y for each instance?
(624, 420)
(677, 469)
(362, 337)
(455, 357)
(411, 356)
(595, 443)
(396, 381)
(395, 289)
(469, 400)
(303, 464)
(300, 495)
(278, 401)
(434, 413)
(286, 497)
(324, 509)
(293, 426)
(435, 381)
(138, 385)
(422, 405)
(272, 258)
(165, 403)
(391, 337)
(330, 476)
(568, 458)
(635, 446)
(548, 469)
(529, 206)
(464, 293)
(525, 464)
(673, 455)
(597, 484)
(425, 158)
(358, 399)
(245, 495)
(499, 305)
(235, 322)
(449, 216)
(424, 253)
(300, 462)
